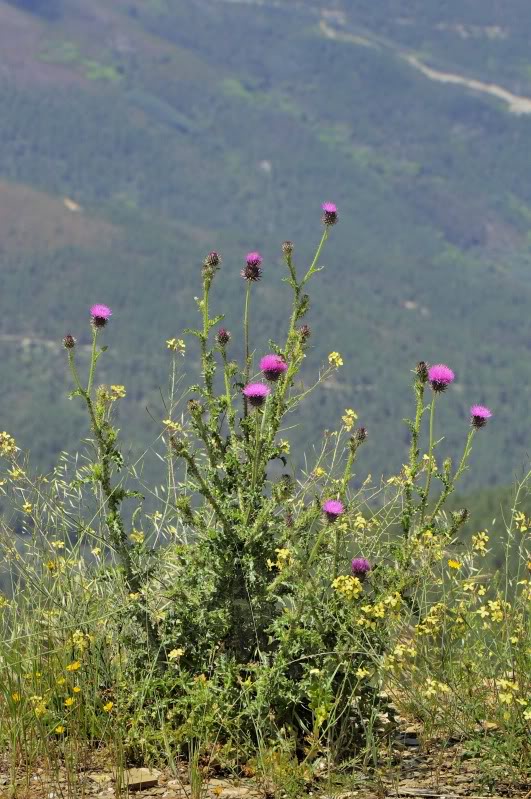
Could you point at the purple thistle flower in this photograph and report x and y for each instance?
(252, 270)
(360, 567)
(330, 214)
(256, 393)
(440, 376)
(273, 366)
(100, 315)
(223, 337)
(479, 415)
(333, 508)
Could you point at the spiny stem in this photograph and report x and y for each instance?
(92, 359)
(460, 469)
(430, 460)
(246, 337)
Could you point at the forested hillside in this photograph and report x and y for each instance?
(137, 135)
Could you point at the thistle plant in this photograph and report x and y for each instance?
(271, 605)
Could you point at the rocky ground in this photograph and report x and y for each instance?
(408, 770)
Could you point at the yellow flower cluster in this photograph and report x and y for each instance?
(432, 621)
(16, 473)
(173, 427)
(479, 542)
(378, 610)
(435, 688)
(284, 558)
(137, 537)
(176, 345)
(80, 640)
(521, 521)
(399, 656)
(350, 587)
(118, 392)
(494, 609)
(284, 446)
(348, 419)
(335, 360)
(8, 444)
(175, 654)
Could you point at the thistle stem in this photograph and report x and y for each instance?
(93, 359)
(246, 337)
(430, 460)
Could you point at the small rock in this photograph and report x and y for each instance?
(138, 779)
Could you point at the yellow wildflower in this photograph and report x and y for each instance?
(348, 419)
(74, 666)
(76, 689)
(15, 696)
(118, 392)
(61, 680)
(361, 673)
(349, 586)
(15, 473)
(175, 654)
(284, 446)
(284, 558)
(96, 551)
(69, 701)
(137, 536)
(27, 507)
(173, 427)
(60, 729)
(108, 707)
(7, 444)
(479, 542)
(176, 345)
(454, 564)
(57, 544)
(335, 360)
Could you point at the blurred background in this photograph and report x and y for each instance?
(137, 135)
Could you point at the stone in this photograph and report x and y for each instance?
(139, 779)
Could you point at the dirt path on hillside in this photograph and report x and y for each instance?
(516, 103)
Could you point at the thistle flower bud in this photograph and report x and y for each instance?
(305, 332)
(195, 408)
(252, 270)
(69, 342)
(287, 248)
(212, 260)
(422, 371)
(461, 516)
(223, 337)
(330, 214)
(361, 435)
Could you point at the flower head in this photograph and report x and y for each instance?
(330, 215)
(252, 270)
(223, 337)
(273, 366)
(333, 508)
(440, 376)
(256, 393)
(212, 260)
(100, 315)
(360, 567)
(69, 342)
(479, 415)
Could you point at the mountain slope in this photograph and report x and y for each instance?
(177, 130)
